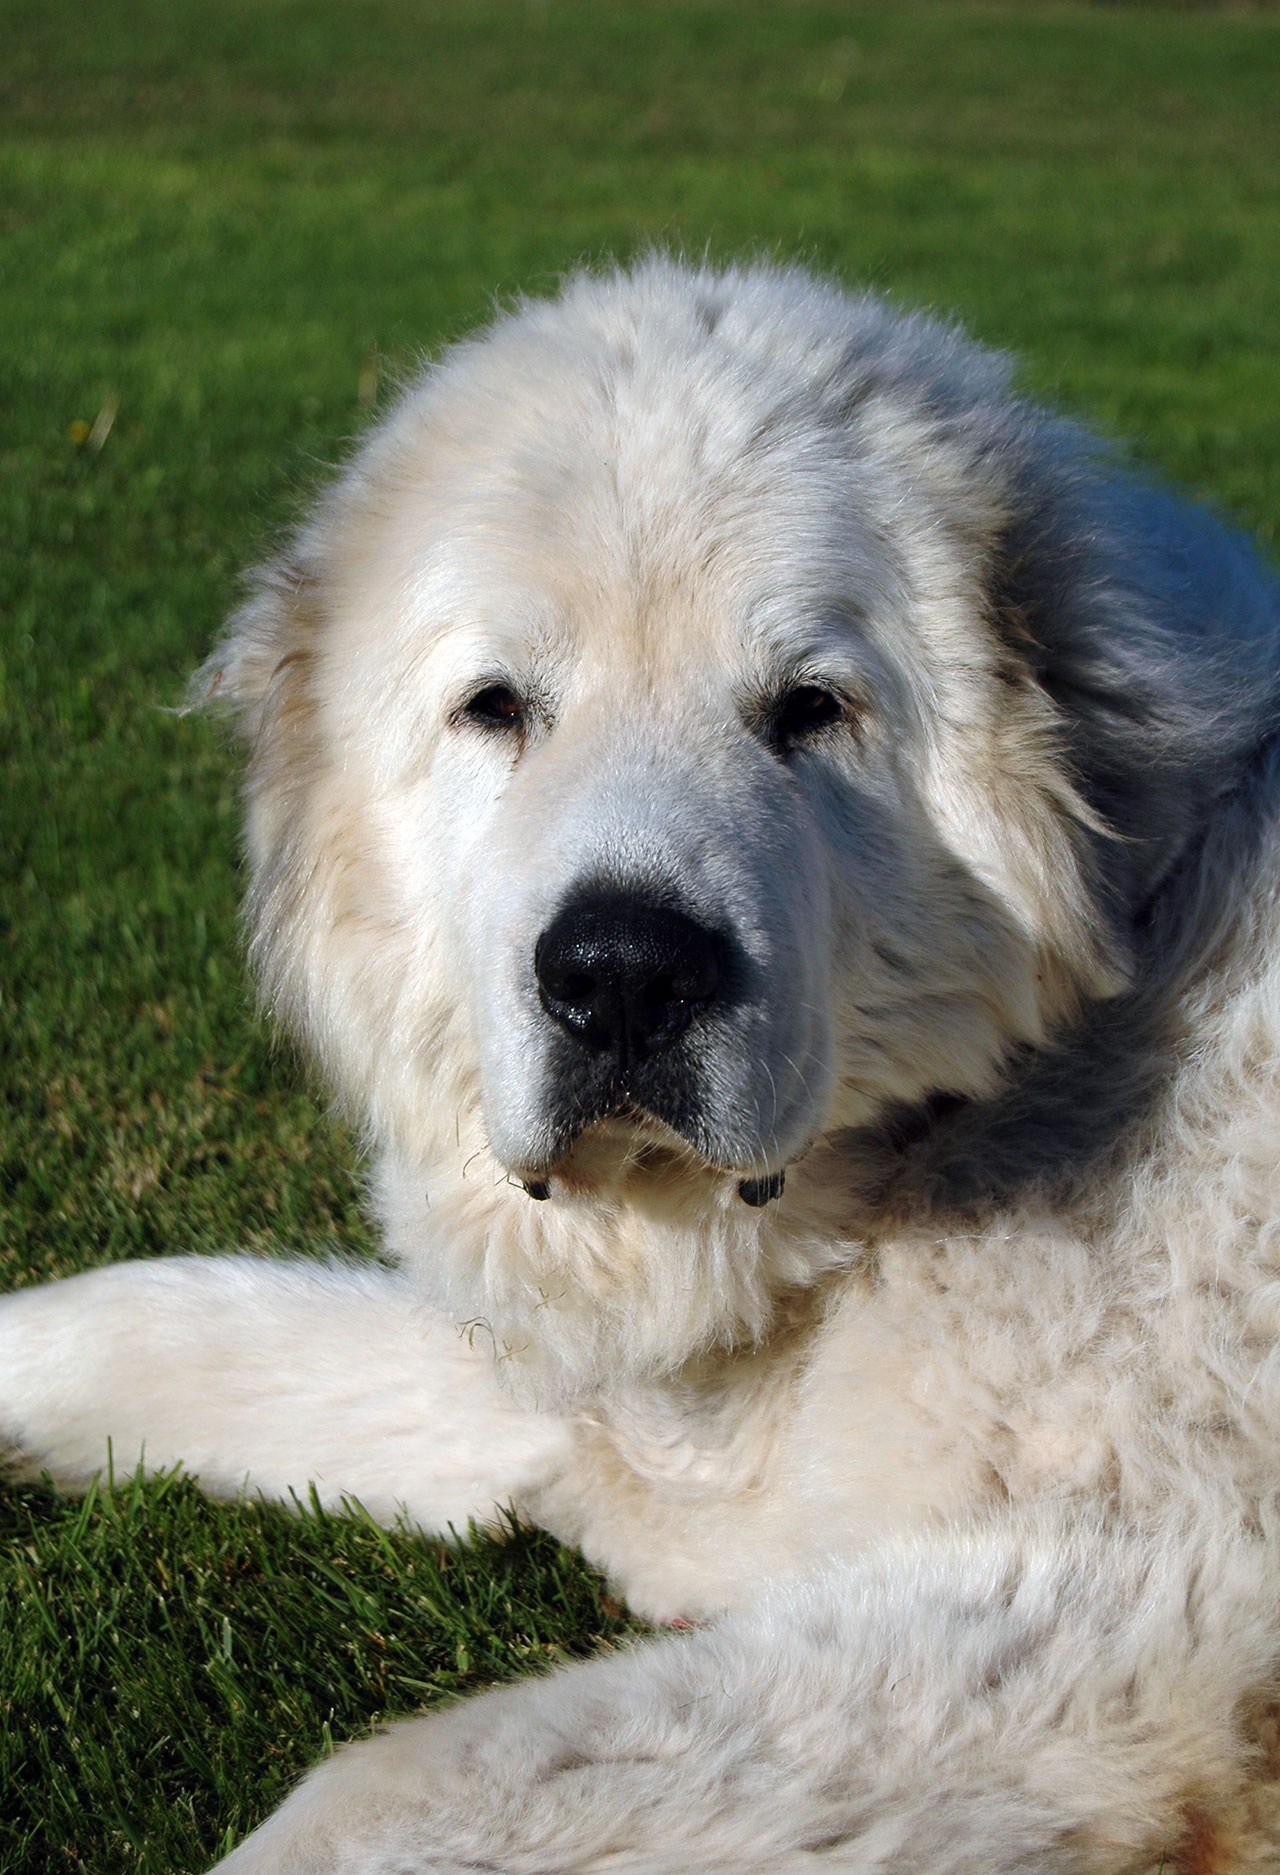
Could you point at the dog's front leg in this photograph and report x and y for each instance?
(270, 1375)
(1018, 1700)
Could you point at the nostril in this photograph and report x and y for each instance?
(625, 975)
(695, 983)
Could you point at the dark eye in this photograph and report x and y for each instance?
(495, 707)
(802, 712)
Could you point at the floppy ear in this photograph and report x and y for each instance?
(258, 666)
(260, 675)
(1155, 631)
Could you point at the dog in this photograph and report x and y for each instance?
(773, 837)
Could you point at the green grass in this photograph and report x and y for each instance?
(224, 222)
(180, 1663)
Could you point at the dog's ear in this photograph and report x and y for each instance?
(262, 656)
(1168, 724)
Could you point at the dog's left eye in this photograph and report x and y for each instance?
(495, 707)
(802, 712)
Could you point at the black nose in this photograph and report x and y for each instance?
(626, 976)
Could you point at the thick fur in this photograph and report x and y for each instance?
(967, 1445)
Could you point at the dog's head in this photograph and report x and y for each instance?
(649, 777)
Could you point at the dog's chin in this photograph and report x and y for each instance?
(615, 1155)
(629, 1145)
(631, 1156)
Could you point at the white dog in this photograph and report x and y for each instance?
(774, 838)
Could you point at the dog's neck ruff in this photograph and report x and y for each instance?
(575, 1295)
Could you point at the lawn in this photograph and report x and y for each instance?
(224, 229)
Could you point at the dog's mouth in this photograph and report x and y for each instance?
(630, 1147)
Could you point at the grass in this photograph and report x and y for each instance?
(223, 228)
(180, 1663)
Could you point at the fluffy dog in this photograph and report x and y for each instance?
(775, 840)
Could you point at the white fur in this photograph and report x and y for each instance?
(980, 1495)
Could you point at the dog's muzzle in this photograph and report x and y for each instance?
(624, 977)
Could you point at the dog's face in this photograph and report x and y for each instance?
(639, 778)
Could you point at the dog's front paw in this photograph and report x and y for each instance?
(30, 1345)
(365, 1811)
(310, 1837)
(293, 1843)
(71, 1353)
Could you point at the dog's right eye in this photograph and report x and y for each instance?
(494, 707)
(800, 714)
